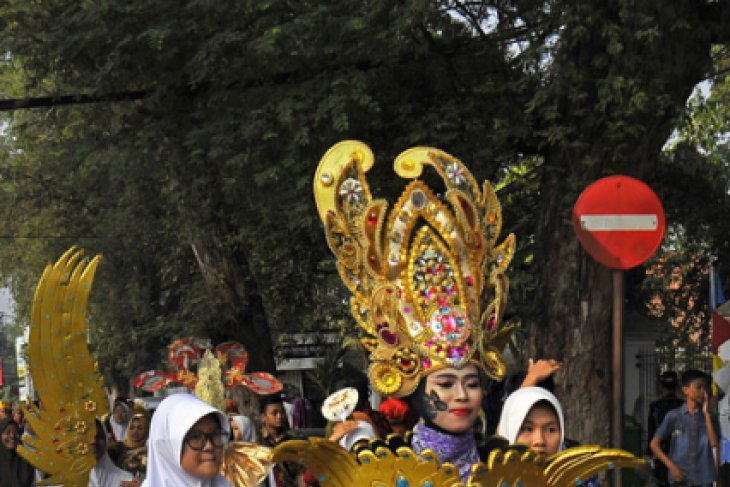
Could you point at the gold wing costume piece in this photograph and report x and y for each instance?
(246, 464)
(334, 466)
(61, 429)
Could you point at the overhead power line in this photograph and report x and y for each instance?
(53, 101)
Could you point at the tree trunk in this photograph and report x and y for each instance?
(234, 297)
(575, 326)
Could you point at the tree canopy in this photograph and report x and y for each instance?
(197, 186)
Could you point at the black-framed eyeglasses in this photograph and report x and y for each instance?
(197, 439)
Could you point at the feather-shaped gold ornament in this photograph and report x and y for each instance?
(61, 430)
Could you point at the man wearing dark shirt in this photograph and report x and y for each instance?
(657, 411)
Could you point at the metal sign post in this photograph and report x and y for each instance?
(618, 366)
(620, 222)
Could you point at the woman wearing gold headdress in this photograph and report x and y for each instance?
(429, 289)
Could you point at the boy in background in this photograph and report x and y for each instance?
(692, 434)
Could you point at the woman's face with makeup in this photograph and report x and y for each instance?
(454, 398)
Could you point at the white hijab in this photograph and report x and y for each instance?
(171, 421)
(106, 474)
(246, 427)
(518, 406)
(119, 430)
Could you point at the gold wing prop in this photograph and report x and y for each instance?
(336, 467)
(246, 464)
(582, 462)
(568, 468)
(65, 376)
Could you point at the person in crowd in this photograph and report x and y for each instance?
(248, 403)
(186, 443)
(15, 471)
(539, 373)
(117, 422)
(289, 393)
(6, 410)
(721, 377)
(365, 423)
(19, 417)
(398, 415)
(134, 456)
(302, 414)
(692, 435)
(105, 473)
(448, 402)
(242, 429)
(658, 410)
(274, 431)
(533, 416)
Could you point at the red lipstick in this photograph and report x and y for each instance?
(460, 411)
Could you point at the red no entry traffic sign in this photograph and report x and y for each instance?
(619, 220)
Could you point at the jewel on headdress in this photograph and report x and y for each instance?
(351, 190)
(326, 179)
(455, 174)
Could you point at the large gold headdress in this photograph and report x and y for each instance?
(427, 279)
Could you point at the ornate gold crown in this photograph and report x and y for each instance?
(428, 279)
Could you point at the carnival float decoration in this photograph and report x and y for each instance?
(184, 359)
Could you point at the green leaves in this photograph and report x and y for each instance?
(199, 193)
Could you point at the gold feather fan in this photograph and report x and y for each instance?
(62, 427)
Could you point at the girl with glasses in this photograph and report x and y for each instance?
(186, 444)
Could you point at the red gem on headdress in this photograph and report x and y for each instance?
(491, 323)
(372, 219)
(469, 281)
(388, 337)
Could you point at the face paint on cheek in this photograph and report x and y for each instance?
(434, 405)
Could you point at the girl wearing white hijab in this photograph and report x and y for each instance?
(119, 419)
(533, 416)
(243, 429)
(186, 444)
(105, 473)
